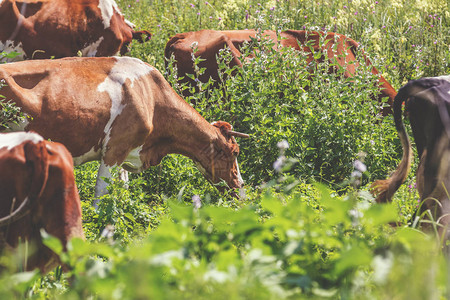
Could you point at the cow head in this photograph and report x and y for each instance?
(220, 157)
(39, 193)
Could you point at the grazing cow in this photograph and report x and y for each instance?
(428, 106)
(209, 42)
(121, 111)
(60, 28)
(37, 191)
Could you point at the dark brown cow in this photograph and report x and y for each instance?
(61, 28)
(118, 110)
(209, 42)
(37, 191)
(428, 106)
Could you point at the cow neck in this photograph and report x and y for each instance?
(8, 16)
(197, 141)
(186, 133)
(203, 149)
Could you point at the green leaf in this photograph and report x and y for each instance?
(52, 242)
(335, 209)
(356, 257)
(272, 205)
(22, 281)
(379, 214)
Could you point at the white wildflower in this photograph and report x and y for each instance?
(359, 166)
(283, 145)
(356, 174)
(278, 164)
(108, 232)
(196, 201)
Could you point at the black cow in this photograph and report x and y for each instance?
(428, 107)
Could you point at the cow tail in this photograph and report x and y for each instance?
(385, 189)
(37, 157)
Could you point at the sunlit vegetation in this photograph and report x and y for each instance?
(306, 225)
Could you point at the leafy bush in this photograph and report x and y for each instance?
(327, 119)
(387, 34)
(409, 39)
(10, 114)
(281, 246)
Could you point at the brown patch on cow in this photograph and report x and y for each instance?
(29, 8)
(53, 103)
(29, 81)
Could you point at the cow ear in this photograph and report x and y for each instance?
(224, 127)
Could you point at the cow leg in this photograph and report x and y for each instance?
(100, 184)
(441, 159)
(433, 162)
(123, 175)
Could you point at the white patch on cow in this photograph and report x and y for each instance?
(129, 23)
(240, 180)
(107, 8)
(14, 139)
(101, 185)
(88, 156)
(91, 50)
(444, 77)
(9, 46)
(133, 160)
(125, 68)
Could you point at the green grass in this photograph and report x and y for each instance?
(288, 236)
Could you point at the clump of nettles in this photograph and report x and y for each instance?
(10, 113)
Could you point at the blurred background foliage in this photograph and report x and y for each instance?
(287, 236)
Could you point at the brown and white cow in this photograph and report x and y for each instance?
(428, 107)
(61, 28)
(121, 111)
(37, 191)
(209, 42)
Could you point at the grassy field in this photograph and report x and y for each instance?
(304, 228)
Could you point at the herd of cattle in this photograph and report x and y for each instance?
(122, 112)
